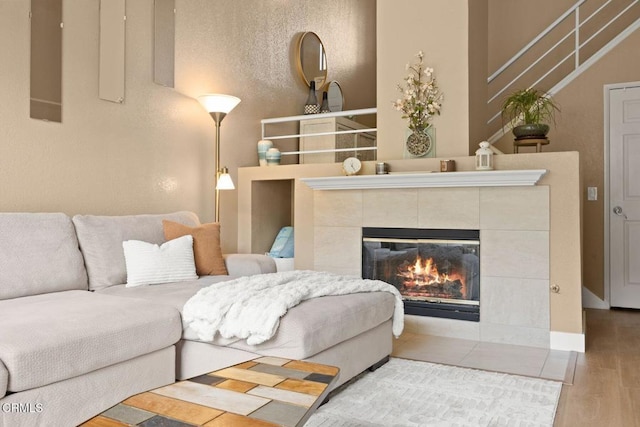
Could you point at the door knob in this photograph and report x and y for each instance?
(618, 211)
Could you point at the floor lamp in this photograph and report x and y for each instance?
(218, 107)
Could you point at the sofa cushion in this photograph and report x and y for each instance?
(101, 240)
(150, 264)
(39, 254)
(249, 264)
(90, 331)
(173, 294)
(206, 246)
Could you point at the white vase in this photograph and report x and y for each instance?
(273, 157)
(263, 147)
(419, 143)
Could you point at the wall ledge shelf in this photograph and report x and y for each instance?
(494, 178)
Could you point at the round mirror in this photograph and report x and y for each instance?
(335, 96)
(312, 59)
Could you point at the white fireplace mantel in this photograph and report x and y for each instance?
(494, 178)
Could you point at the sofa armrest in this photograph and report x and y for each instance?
(4, 379)
(249, 264)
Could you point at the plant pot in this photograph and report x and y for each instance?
(531, 130)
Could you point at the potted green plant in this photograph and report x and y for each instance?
(533, 108)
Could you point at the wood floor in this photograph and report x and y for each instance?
(606, 386)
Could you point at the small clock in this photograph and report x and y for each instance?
(351, 165)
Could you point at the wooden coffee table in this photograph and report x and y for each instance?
(265, 392)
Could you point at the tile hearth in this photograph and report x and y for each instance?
(511, 359)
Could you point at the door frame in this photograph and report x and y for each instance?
(607, 217)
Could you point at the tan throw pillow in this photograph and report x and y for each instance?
(206, 246)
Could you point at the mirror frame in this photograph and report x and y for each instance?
(319, 84)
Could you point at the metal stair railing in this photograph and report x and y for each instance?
(579, 65)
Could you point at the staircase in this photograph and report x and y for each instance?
(570, 45)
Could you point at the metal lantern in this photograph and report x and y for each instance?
(484, 157)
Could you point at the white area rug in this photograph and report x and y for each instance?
(410, 393)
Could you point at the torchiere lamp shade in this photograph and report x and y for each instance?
(218, 103)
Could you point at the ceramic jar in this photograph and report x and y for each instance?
(263, 147)
(273, 157)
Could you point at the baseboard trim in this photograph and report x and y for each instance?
(590, 300)
(566, 341)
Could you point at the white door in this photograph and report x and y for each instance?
(624, 197)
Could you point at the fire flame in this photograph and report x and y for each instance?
(425, 273)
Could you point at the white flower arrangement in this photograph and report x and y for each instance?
(421, 98)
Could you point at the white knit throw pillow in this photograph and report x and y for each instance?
(149, 264)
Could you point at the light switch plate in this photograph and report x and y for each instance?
(592, 193)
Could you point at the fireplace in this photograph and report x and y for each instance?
(437, 271)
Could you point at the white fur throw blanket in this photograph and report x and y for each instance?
(250, 307)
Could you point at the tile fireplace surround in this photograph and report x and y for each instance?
(514, 235)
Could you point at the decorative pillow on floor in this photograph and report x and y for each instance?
(150, 264)
(206, 246)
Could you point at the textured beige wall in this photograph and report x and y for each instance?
(245, 48)
(154, 153)
(478, 56)
(104, 158)
(438, 28)
(513, 23)
(580, 127)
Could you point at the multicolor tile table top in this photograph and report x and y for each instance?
(265, 392)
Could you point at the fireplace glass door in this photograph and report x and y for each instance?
(436, 271)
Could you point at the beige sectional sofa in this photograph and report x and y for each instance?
(74, 340)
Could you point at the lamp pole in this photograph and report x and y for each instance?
(217, 118)
(218, 105)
